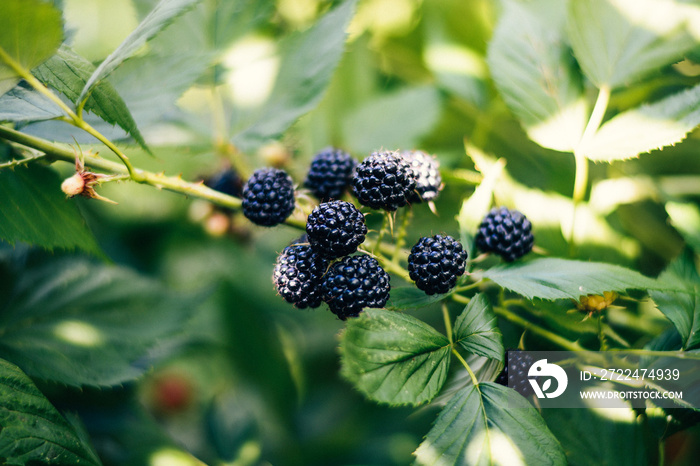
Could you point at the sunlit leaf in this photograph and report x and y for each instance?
(553, 278)
(476, 329)
(489, 424)
(394, 358)
(160, 17)
(30, 32)
(617, 42)
(531, 64)
(646, 128)
(308, 62)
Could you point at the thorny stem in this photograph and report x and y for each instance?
(18, 162)
(159, 180)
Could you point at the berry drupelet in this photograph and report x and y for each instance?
(355, 283)
(435, 263)
(384, 180)
(426, 171)
(505, 232)
(514, 374)
(336, 228)
(268, 197)
(330, 174)
(297, 275)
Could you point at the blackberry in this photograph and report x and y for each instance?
(336, 228)
(507, 233)
(428, 179)
(330, 174)
(514, 374)
(354, 283)
(384, 180)
(297, 275)
(435, 263)
(226, 181)
(268, 197)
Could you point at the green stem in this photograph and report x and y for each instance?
(581, 177)
(18, 162)
(401, 238)
(159, 180)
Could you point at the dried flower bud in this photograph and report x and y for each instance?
(74, 185)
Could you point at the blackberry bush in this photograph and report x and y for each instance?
(384, 180)
(505, 232)
(435, 263)
(268, 197)
(426, 170)
(297, 275)
(330, 174)
(336, 228)
(355, 283)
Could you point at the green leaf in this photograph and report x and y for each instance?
(373, 125)
(32, 431)
(618, 42)
(78, 323)
(476, 329)
(25, 105)
(533, 69)
(67, 72)
(594, 437)
(410, 297)
(159, 18)
(394, 358)
(30, 32)
(646, 128)
(685, 217)
(683, 309)
(34, 210)
(308, 62)
(489, 424)
(553, 278)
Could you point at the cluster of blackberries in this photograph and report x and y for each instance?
(302, 275)
(321, 268)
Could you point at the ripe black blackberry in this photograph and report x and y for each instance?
(428, 179)
(505, 232)
(330, 174)
(436, 263)
(336, 228)
(268, 197)
(384, 180)
(297, 275)
(227, 181)
(514, 374)
(355, 283)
